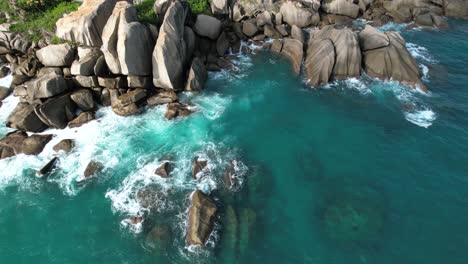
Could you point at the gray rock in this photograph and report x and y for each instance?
(100, 68)
(4, 71)
(249, 28)
(44, 171)
(128, 110)
(296, 33)
(198, 165)
(145, 82)
(207, 26)
(219, 7)
(190, 43)
(85, 65)
(83, 98)
(341, 7)
(86, 81)
(197, 76)
(348, 52)
(47, 70)
(271, 32)
(370, 38)
(134, 47)
(61, 55)
(112, 83)
(92, 169)
(319, 61)
(47, 86)
(56, 112)
(24, 117)
(278, 19)
(161, 6)
(85, 25)
(34, 144)
(295, 13)
(277, 46)
(132, 97)
(392, 62)
(177, 109)
(293, 50)
(169, 55)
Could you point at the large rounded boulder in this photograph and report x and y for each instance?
(201, 218)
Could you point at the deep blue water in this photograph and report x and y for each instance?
(359, 171)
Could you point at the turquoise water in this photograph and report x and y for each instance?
(360, 171)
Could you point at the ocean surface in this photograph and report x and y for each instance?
(359, 171)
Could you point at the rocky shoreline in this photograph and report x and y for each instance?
(112, 59)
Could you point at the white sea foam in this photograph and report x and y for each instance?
(6, 81)
(420, 53)
(422, 118)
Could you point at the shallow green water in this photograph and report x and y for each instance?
(359, 172)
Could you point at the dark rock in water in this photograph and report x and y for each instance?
(81, 119)
(197, 76)
(177, 110)
(198, 166)
(163, 170)
(34, 144)
(4, 71)
(92, 169)
(201, 218)
(159, 238)
(4, 92)
(42, 173)
(83, 98)
(162, 97)
(65, 145)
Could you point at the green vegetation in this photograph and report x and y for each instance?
(146, 13)
(200, 6)
(44, 21)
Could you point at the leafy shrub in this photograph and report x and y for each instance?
(39, 22)
(145, 12)
(200, 6)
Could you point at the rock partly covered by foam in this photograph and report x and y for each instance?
(389, 62)
(85, 25)
(169, 54)
(201, 218)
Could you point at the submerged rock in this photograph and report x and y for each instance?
(247, 221)
(92, 169)
(201, 218)
(230, 237)
(159, 238)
